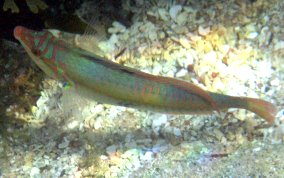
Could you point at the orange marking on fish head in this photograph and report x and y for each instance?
(32, 40)
(25, 36)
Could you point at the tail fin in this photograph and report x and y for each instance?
(262, 108)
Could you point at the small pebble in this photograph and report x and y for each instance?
(35, 172)
(73, 124)
(279, 45)
(252, 35)
(174, 10)
(114, 169)
(148, 156)
(111, 150)
(157, 69)
(185, 43)
(117, 27)
(177, 132)
(275, 82)
(182, 18)
(203, 31)
(160, 121)
(181, 73)
(97, 124)
(257, 149)
(64, 144)
(163, 14)
(103, 157)
(97, 109)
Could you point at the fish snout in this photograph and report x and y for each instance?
(18, 31)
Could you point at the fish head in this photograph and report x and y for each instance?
(30, 39)
(39, 45)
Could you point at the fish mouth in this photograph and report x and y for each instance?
(18, 32)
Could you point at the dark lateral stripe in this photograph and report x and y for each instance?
(109, 64)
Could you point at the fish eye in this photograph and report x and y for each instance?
(35, 51)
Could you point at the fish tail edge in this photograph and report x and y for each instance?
(262, 108)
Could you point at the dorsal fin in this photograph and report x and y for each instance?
(94, 33)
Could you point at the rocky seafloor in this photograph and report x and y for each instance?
(234, 47)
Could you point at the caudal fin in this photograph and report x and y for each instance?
(262, 108)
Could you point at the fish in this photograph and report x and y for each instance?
(108, 82)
